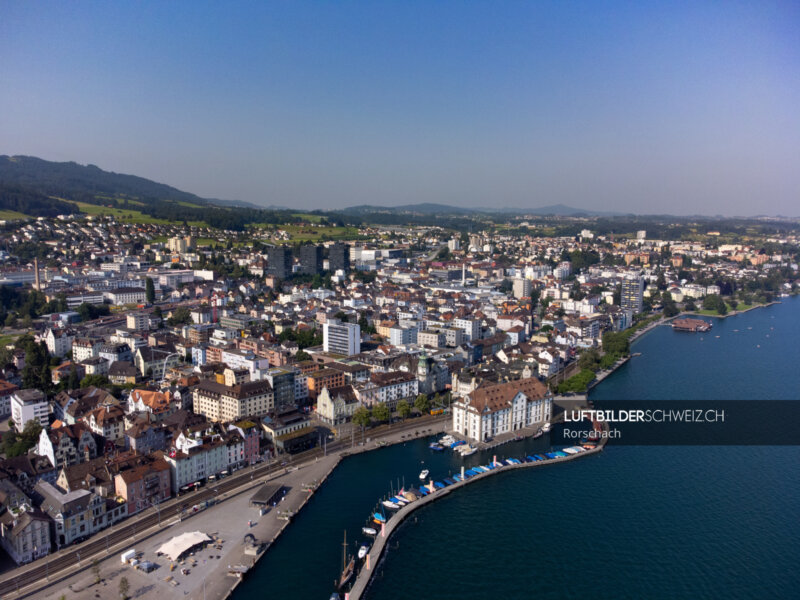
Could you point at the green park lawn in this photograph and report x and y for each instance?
(127, 215)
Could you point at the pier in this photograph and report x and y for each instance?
(375, 554)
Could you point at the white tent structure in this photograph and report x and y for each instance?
(182, 543)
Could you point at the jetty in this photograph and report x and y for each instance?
(435, 490)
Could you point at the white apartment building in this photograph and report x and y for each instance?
(470, 327)
(27, 405)
(138, 321)
(522, 288)
(58, 341)
(125, 295)
(224, 403)
(387, 388)
(83, 348)
(341, 338)
(244, 359)
(194, 459)
(400, 336)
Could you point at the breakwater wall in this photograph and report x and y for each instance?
(376, 552)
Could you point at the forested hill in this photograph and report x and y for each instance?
(78, 182)
(31, 202)
(36, 187)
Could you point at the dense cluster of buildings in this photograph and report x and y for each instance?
(196, 373)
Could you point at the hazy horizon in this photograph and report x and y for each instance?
(680, 109)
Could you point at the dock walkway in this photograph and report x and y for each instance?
(376, 552)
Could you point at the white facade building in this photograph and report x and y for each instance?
(490, 411)
(341, 338)
(27, 405)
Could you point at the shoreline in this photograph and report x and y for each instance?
(266, 528)
(602, 375)
(376, 553)
(732, 313)
(438, 426)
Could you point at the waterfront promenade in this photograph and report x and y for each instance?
(69, 573)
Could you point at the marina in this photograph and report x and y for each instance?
(667, 475)
(437, 488)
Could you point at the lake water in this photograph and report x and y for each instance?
(630, 522)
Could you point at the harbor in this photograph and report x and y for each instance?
(471, 515)
(403, 503)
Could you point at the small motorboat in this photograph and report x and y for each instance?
(470, 451)
(436, 447)
(369, 531)
(362, 551)
(424, 474)
(390, 504)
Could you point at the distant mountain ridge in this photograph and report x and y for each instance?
(57, 178)
(38, 187)
(430, 208)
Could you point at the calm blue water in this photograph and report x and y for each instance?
(632, 522)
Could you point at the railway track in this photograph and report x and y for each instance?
(63, 563)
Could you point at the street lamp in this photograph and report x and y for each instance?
(164, 368)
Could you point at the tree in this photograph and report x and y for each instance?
(715, 302)
(589, 359)
(362, 416)
(670, 310)
(95, 380)
(403, 409)
(576, 383)
(381, 412)
(180, 316)
(149, 291)
(302, 355)
(616, 342)
(124, 588)
(422, 404)
(73, 382)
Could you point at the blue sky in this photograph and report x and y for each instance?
(631, 106)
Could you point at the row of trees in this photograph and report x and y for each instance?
(304, 338)
(363, 416)
(20, 304)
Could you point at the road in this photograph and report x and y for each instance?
(45, 569)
